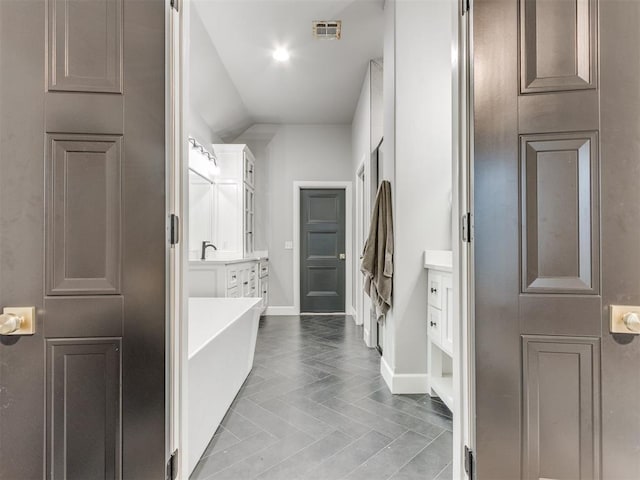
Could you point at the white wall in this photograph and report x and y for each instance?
(361, 126)
(420, 156)
(294, 153)
(387, 163)
(217, 113)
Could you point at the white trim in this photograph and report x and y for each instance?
(172, 269)
(387, 373)
(281, 311)
(358, 316)
(347, 187)
(403, 383)
(179, 193)
(463, 348)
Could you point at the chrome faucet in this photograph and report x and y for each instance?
(206, 245)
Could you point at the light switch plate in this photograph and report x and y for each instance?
(28, 314)
(288, 245)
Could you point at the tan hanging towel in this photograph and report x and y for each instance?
(377, 257)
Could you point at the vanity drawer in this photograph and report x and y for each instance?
(264, 268)
(435, 291)
(233, 292)
(434, 320)
(232, 277)
(246, 284)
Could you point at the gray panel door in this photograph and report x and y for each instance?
(82, 222)
(322, 251)
(556, 154)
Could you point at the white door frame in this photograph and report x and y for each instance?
(177, 94)
(359, 241)
(347, 187)
(364, 208)
(178, 204)
(463, 364)
(174, 273)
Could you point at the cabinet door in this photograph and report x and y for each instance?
(246, 282)
(249, 170)
(435, 318)
(232, 276)
(264, 283)
(249, 220)
(435, 290)
(446, 324)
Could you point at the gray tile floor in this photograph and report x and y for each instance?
(315, 407)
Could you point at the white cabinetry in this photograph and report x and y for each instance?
(219, 279)
(231, 279)
(440, 326)
(235, 205)
(263, 274)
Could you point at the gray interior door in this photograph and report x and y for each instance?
(556, 175)
(322, 251)
(82, 238)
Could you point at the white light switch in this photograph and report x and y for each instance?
(288, 245)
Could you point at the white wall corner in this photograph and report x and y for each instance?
(367, 338)
(404, 383)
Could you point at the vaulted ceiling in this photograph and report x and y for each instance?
(322, 80)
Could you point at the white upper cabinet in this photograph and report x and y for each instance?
(235, 219)
(249, 168)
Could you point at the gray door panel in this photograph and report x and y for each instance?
(556, 147)
(83, 407)
(82, 238)
(322, 238)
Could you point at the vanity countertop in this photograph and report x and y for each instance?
(226, 260)
(438, 260)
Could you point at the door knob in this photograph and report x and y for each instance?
(632, 321)
(625, 319)
(18, 321)
(343, 256)
(9, 323)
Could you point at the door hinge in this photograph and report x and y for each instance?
(467, 227)
(174, 5)
(469, 463)
(465, 6)
(174, 229)
(172, 466)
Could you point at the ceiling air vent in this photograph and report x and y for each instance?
(328, 30)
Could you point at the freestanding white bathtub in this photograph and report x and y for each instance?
(222, 340)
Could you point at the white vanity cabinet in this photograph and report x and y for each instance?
(263, 275)
(233, 279)
(440, 327)
(235, 187)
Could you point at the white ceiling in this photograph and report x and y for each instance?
(321, 82)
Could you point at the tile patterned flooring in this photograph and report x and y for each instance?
(316, 408)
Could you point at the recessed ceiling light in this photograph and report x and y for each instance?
(281, 55)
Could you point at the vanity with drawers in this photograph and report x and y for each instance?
(440, 324)
(230, 278)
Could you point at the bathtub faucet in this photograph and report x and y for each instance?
(206, 245)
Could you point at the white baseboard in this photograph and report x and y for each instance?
(322, 314)
(282, 311)
(404, 383)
